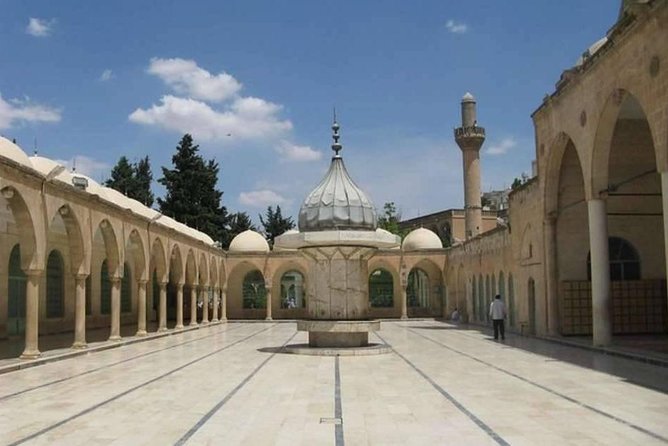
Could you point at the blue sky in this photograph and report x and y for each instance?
(255, 82)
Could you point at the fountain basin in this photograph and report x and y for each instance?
(338, 334)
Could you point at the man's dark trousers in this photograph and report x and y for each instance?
(499, 326)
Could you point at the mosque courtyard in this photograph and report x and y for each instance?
(441, 384)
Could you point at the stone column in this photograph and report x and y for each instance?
(204, 293)
(223, 304)
(115, 334)
(162, 315)
(600, 273)
(267, 287)
(193, 306)
(31, 350)
(179, 306)
(80, 311)
(404, 303)
(551, 279)
(141, 308)
(214, 317)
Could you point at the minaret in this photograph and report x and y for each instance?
(469, 138)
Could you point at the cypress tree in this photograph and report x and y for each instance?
(192, 197)
(275, 224)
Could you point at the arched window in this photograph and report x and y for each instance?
(253, 291)
(381, 289)
(417, 289)
(105, 289)
(502, 285)
(488, 297)
(89, 296)
(292, 290)
(481, 298)
(624, 260)
(55, 302)
(126, 290)
(16, 311)
(474, 296)
(511, 301)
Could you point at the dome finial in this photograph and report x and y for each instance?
(336, 147)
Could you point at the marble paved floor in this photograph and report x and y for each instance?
(230, 384)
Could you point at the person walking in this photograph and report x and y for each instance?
(497, 311)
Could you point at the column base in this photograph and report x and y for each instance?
(30, 354)
(115, 338)
(141, 333)
(179, 327)
(215, 321)
(223, 320)
(79, 345)
(193, 324)
(205, 322)
(403, 318)
(162, 329)
(268, 318)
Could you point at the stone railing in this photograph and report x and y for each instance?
(474, 130)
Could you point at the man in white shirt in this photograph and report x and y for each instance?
(497, 311)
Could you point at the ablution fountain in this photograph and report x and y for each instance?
(338, 234)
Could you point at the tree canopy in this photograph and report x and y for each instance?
(238, 223)
(390, 218)
(191, 196)
(274, 224)
(133, 180)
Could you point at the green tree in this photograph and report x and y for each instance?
(390, 218)
(122, 177)
(516, 183)
(238, 223)
(133, 180)
(275, 224)
(192, 197)
(143, 180)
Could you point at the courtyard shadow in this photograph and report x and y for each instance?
(648, 375)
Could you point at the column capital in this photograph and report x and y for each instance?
(142, 282)
(33, 272)
(80, 276)
(163, 284)
(115, 280)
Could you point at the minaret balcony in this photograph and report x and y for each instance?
(470, 132)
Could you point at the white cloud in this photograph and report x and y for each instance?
(40, 27)
(106, 75)
(293, 152)
(261, 198)
(97, 170)
(244, 119)
(502, 147)
(456, 27)
(22, 110)
(185, 77)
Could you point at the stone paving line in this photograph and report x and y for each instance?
(547, 389)
(134, 388)
(238, 388)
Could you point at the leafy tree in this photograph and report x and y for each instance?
(516, 183)
(192, 197)
(238, 223)
(143, 180)
(133, 180)
(390, 218)
(122, 177)
(275, 224)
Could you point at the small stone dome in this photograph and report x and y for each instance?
(13, 152)
(249, 241)
(468, 97)
(421, 238)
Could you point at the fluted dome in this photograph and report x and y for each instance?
(337, 203)
(421, 238)
(249, 241)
